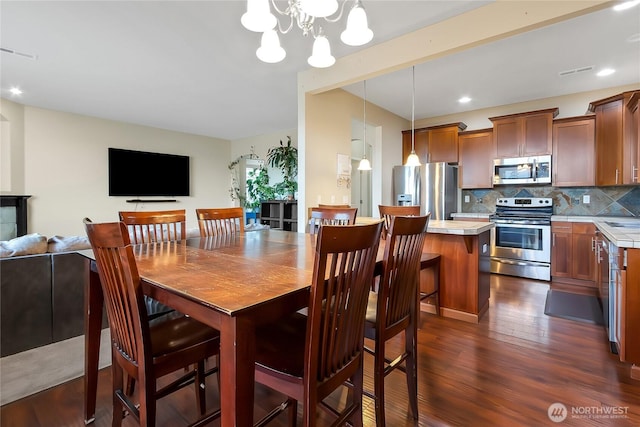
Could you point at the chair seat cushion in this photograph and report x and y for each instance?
(288, 334)
(180, 333)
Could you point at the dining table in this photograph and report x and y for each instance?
(232, 283)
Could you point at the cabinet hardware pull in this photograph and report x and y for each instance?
(634, 174)
(617, 175)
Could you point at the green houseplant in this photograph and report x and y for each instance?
(285, 158)
(258, 188)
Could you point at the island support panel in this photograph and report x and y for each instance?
(464, 275)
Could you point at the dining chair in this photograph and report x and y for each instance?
(308, 357)
(331, 216)
(155, 226)
(388, 212)
(144, 350)
(213, 222)
(393, 309)
(429, 261)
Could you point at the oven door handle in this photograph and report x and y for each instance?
(513, 262)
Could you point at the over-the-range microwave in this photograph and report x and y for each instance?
(522, 170)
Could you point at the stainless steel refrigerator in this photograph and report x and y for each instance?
(433, 186)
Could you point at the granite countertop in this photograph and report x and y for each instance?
(619, 236)
(470, 215)
(464, 228)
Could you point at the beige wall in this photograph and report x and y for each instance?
(11, 147)
(65, 168)
(329, 118)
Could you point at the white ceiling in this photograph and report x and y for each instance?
(191, 66)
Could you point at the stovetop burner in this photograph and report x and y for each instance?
(524, 208)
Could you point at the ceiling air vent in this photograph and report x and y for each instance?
(15, 52)
(575, 71)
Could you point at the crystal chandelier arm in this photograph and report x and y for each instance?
(336, 19)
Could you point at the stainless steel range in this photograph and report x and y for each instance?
(521, 239)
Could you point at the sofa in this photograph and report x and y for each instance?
(42, 284)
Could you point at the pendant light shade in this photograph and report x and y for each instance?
(357, 32)
(270, 50)
(413, 159)
(321, 55)
(364, 165)
(258, 17)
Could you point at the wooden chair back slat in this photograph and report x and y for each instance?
(155, 226)
(388, 212)
(217, 221)
(331, 216)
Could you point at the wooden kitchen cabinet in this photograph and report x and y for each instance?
(574, 152)
(524, 134)
(634, 108)
(475, 166)
(627, 313)
(616, 140)
(434, 144)
(572, 260)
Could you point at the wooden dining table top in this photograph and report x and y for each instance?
(230, 273)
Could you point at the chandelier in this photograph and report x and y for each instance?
(305, 14)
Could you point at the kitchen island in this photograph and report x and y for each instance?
(464, 247)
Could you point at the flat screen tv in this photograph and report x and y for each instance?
(141, 173)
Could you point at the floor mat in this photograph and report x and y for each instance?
(582, 308)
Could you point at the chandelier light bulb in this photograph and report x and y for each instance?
(258, 17)
(321, 55)
(357, 32)
(270, 50)
(319, 8)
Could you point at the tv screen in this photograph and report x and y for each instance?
(140, 173)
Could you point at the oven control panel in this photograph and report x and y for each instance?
(524, 202)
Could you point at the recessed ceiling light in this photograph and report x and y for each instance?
(15, 91)
(605, 72)
(626, 5)
(464, 100)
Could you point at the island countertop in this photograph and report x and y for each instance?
(463, 228)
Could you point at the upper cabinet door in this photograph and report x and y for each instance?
(507, 138)
(537, 132)
(574, 152)
(443, 144)
(609, 143)
(475, 169)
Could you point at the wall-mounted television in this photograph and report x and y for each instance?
(141, 173)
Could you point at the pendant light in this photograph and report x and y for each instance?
(413, 159)
(364, 163)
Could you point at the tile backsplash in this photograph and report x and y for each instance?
(604, 201)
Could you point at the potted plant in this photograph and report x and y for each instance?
(258, 189)
(285, 157)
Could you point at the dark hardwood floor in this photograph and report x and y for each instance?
(505, 371)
